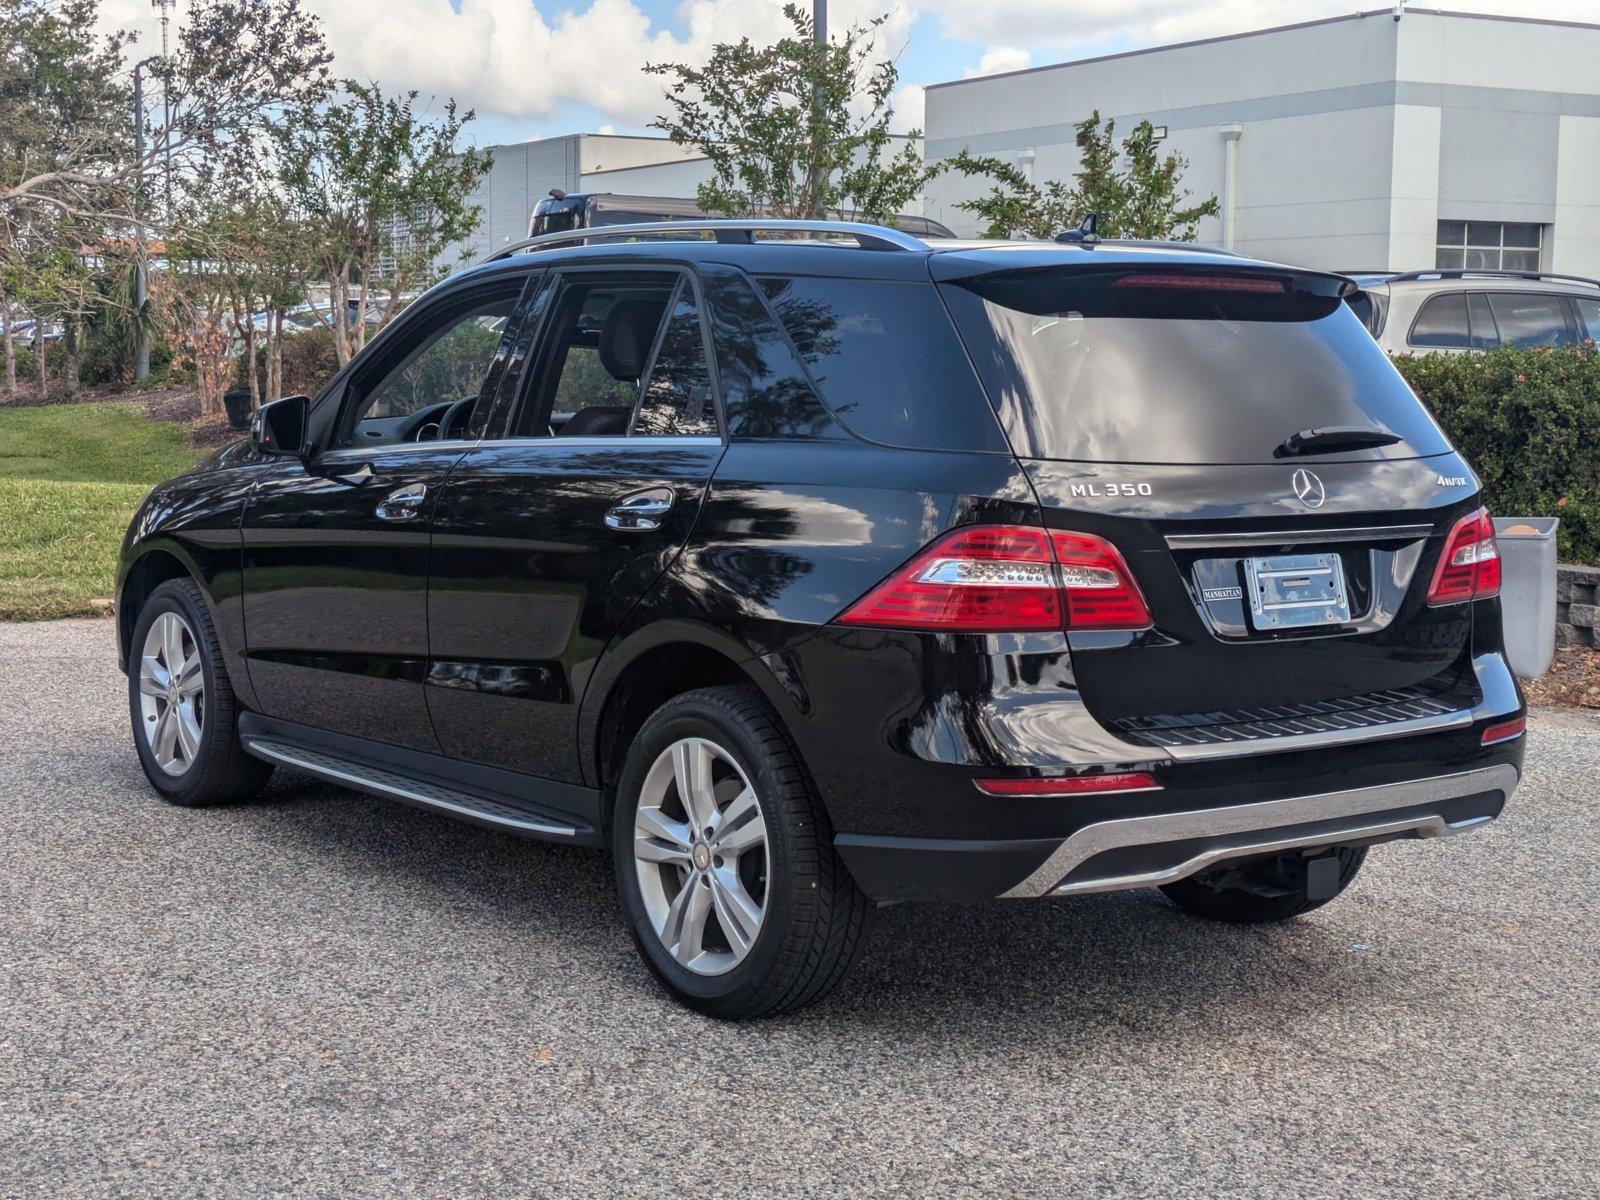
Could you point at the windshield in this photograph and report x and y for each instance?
(1180, 367)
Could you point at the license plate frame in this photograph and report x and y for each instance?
(1296, 591)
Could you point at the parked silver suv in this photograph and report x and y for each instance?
(1426, 312)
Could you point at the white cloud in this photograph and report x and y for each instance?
(997, 59)
(910, 104)
(518, 58)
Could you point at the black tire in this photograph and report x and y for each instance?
(1272, 889)
(815, 915)
(221, 772)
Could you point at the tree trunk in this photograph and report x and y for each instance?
(38, 358)
(339, 311)
(250, 361)
(275, 355)
(7, 314)
(69, 343)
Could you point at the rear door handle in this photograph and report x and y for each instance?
(642, 510)
(403, 503)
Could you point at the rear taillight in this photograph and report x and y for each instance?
(1007, 579)
(1469, 568)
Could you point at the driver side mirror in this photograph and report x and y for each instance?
(281, 427)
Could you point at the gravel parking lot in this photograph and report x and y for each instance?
(322, 994)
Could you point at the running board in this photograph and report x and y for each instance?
(411, 789)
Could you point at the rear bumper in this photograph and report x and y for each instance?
(1160, 847)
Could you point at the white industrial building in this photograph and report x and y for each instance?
(1357, 143)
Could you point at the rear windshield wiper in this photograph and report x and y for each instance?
(1330, 438)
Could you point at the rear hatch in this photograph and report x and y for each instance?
(1279, 493)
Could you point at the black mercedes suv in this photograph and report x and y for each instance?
(811, 566)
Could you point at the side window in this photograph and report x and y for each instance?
(1589, 315)
(1484, 336)
(597, 345)
(442, 370)
(1442, 323)
(677, 398)
(1527, 319)
(887, 361)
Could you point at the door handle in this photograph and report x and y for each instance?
(642, 510)
(403, 503)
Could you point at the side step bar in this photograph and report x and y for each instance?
(411, 789)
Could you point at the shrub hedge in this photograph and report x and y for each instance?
(1528, 420)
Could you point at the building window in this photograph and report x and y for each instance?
(1489, 245)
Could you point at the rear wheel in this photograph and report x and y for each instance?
(725, 860)
(182, 705)
(1268, 889)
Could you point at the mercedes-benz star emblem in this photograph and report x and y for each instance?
(1308, 488)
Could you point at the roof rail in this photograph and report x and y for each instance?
(1486, 273)
(868, 237)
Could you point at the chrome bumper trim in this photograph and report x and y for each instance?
(1362, 808)
(1295, 537)
(1433, 723)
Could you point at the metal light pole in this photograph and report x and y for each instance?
(141, 282)
(164, 6)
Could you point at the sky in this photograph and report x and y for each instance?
(537, 68)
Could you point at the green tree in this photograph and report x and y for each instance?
(795, 129)
(1134, 191)
(380, 190)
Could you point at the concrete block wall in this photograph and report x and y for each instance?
(1577, 599)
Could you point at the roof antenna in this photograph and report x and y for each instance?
(1084, 234)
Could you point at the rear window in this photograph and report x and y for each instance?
(1176, 366)
(887, 361)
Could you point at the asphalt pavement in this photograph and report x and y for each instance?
(325, 995)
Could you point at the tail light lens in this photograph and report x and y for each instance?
(1007, 579)
(1469, 568)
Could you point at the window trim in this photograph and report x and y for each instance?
(557, 278)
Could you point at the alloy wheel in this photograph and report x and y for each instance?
(700, 850)
(172, 693)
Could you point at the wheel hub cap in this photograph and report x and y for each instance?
(171, 693)
(700, 852)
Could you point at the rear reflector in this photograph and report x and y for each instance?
(1006, 579)
(1469, 568)
(1074, 785)
(1505, 731)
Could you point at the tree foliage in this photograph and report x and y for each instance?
(795, 129)
(1133, 190)
(381, 190)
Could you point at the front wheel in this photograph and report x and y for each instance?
(725, 860)
(1269, 889)
(182, 705)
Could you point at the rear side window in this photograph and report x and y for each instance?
(677, 398)
(887, 361)
(1179, 366)
(1442, 323)
(1589, 314)
(1530, 319)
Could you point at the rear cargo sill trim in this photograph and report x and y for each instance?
(1458, 719)
(1285, 537)
(1262, 817)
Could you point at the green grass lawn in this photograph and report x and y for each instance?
(70, 477)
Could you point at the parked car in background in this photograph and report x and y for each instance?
(1424, 312)
(838, 567)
